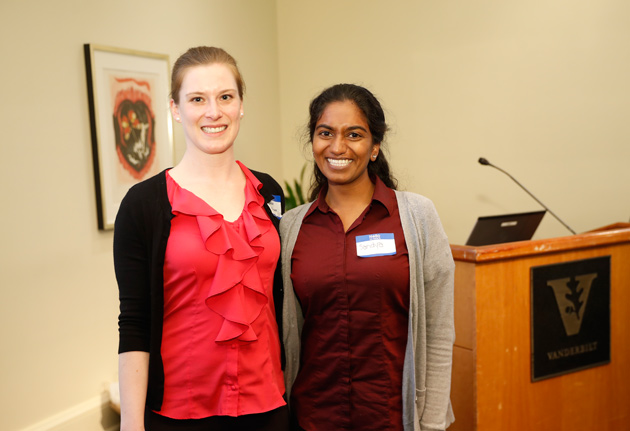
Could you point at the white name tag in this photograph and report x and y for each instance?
(275, 206)
(377, 244)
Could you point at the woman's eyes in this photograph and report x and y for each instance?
(350, 135)
(223, 98)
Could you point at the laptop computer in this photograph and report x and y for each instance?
(505, 228)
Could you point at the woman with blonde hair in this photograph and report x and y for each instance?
(196, 252)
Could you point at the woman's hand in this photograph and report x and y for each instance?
(133, 376)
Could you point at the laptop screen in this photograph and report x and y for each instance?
(505, 228)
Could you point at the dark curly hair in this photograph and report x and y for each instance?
(371, 108)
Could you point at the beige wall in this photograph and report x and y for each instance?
(539, 88)
(59, 298)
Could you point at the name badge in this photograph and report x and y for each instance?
(376, 244)
(275, 206)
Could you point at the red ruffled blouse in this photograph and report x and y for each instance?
(220, 345)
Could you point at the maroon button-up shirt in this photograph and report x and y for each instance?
(355, 318)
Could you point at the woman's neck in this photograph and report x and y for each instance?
(349, 200)
(215, 179)
(213, 168)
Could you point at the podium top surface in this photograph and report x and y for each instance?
(607, 235)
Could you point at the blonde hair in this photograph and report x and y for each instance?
(201, 56)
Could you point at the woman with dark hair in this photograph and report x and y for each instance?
(196, 253)
(368, 277)
(375, 118)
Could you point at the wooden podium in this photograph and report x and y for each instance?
(492, 388)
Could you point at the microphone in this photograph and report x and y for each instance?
(485, 162)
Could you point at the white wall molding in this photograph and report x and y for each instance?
(91, 415)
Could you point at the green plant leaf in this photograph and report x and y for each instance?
(299, 196)
(295, 195)
(290, 200)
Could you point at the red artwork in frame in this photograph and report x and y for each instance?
(134, 124)
(130, 122)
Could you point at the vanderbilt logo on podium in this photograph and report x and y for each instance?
(570, 316)
(571, 295)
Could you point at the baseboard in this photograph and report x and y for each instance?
(91, 415)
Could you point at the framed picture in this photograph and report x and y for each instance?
(132, 131)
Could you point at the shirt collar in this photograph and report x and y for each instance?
(382, 194)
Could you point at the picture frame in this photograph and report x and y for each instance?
(130, 122)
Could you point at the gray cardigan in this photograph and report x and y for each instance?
(428, 356)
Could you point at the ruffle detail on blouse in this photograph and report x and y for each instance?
(236, 292)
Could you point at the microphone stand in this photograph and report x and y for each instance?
(485, 162)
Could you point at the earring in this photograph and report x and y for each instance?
(374, 156)
(177, 119)
(242, 115)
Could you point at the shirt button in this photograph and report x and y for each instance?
(233, 387)
(234, 345)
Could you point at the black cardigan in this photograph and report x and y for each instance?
(141, 231)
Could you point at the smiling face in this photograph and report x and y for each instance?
(209, 108)
(343, 145)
